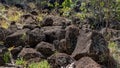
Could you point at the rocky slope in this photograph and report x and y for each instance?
(63, 42)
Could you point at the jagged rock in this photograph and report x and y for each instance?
(91, 44)
(28, 19)
(59, 60)
(71, 35)
(15, 51)
(45, 49)
(47, 21)
(3, 33)
(35, 36)
(53, 33)
(13, 27)
(68, 44)
(60, 21)
(72, 65)
(63, 46)
(86, 62)
(16, 39)
(60, 34)
(30, 53)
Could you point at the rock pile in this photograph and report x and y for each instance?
(68, 47)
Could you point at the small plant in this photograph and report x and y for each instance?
(40, 17)
(6, 57)
(115, 52)
(67, 7)
(20, 61)
(4, 24)
(67, 3)
(42, 64)
(66, 11)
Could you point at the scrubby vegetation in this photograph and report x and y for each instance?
(42, 64)
(59, 33)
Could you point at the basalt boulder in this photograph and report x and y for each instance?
(15, 51)
(47, 21)
(45, 49)
(86, 62)
(92, 44)
(53, 33)
(71, 36)
(30, 53)
(4, 33)
(16, 39)
(34, 37)
(59, 60)
(29, 21)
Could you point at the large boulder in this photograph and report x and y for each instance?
(92, 44)
(29, 21)
(62, 47)
(3, 33)
(45, 49)
(35, 36)
(53, 33)
(30, 53)
(59, 60)
(27, 18)
(60, 34)
(47, 21)
(16, 39)
(71, 36)
(86, 62)
(68, 44)
(15, 51)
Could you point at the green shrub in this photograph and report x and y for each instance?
(20, 61)
(115, 52)
(67, 3)
(42, 64)
(6, 57)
